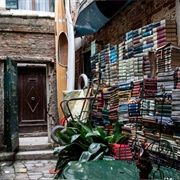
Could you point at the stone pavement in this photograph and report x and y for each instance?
(27, 170)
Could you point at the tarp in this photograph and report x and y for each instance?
(95, 15)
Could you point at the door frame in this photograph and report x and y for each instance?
(36, 65)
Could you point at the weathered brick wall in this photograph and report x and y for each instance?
(135, 15)
(27, 36)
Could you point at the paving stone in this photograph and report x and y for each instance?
(21, 176)
(43, 178)
(30, 168)
(8, 176)
(45, 161)
(20, 170)
(34, 173)
(49, 175)
(39, 165)
(35, 177)
(8, 169)
(45, 171)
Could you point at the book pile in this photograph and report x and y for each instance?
(137, 41)
(129, 49)
(146, 65)
(165, 82)
(130, 69)
(113, 66)
(93, 61)
(168, 58)
(177, 78)
(96, 46)
(137, 87)
(113, 105)
(147, 107)
(150, 86)
(133, 109)
(124, 97)
(102, 65)
(147, 37)
(121, 64)
(175, 103)
(96, 112)
(106, 70)
(164, 109)
(163, 32)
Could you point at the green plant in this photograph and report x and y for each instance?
(80, 142)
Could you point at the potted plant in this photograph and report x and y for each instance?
(81, 142)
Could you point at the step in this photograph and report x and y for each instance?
(34, 143)
(7, 156)
(35, 155)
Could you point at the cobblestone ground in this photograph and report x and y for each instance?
(25, 170)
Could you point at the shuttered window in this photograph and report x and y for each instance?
(37, 5)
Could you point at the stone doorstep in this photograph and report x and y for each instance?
(32, 147)
(32, 155)
(7, 156)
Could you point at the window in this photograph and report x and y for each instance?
(36, 5)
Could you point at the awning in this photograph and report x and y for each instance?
(94, 16)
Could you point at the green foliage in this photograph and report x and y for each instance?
(82, 143)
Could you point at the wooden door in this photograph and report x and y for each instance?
(11, 105)
(32, 100)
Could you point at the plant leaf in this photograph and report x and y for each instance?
(75, 137)
(85, 156)
(94, 147)
(61, 148)
(71, 131)
(63, 137)
(85, 127)
(99, 156)
(101, 132)
(119, 137)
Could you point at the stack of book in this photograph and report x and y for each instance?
(96, 47)
(124, 97)
(137, 87)
(121, 63)
(129, 49)
(165, 82)
(122, 71)
(134, 109)
(164, 109)
(137, 41)
(146, 65)
(177, 78)
(138, 68)
(113, 66)
(163, 32)
(147, 37)
(106, 70)
(96, 112)
(147, 107)
(150, 86)
(113, 106)
(175, 103)
(130, 69)
(168, 58)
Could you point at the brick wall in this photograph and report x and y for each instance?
(27, 36)
(135, 15)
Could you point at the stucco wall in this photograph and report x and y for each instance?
(134, 16)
